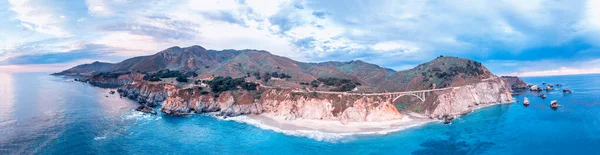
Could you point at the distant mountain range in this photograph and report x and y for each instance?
(441, 72)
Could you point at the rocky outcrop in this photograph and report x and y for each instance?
(554, 104)
(231, 103)
(342, 107)
(146, 93)
(515, 83)
(465, 99)
(292, 105)
(535, 88)
(145, 109)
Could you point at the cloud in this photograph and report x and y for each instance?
(54, 45)
(395, 34)
(401, 46)
(158, 27)
(88, 52)
(33, 16)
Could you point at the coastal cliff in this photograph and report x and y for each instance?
(191, 80)
(465, 99)
(312, 105)
(515, 83)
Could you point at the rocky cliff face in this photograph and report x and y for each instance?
(342, 107)
(465, 99)
(311, 105)
(514, 82)
(292, 105)
(147, 93)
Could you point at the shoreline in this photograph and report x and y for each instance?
(328, 130)
(336, 127)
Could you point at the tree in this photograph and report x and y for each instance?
(315, 83)
(182, 79)
(266, 77)
(249, 85)
(154, 79)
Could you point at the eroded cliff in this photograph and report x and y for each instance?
(293, 104)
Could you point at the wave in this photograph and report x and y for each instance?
(315, 134)
(136, 115)
(100, 138)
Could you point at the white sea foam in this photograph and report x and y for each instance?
(100, 138)
(318, 135)
(140, 116)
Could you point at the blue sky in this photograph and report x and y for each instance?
(525, 38)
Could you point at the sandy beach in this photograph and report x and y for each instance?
(336, 127)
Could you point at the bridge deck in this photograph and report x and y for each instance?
(376, 94)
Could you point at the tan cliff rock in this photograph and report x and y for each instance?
(311, 105)
(340, 107)
(465, 99)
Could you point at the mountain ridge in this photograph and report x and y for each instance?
(438, 73)
(239, 82)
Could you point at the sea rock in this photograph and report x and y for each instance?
(526, 101)
(543, 96)
(448, 119)
(535, 88)
(549, 88)
(559, 85)
(567, 91)
(146, 109)
(554, 104)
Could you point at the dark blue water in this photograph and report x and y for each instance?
(42, 114)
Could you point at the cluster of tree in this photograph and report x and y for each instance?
(180, 76)
(182, 79)
(267, 76)
(336, 81)
(340, 84)
(220, 84)
(280, 75)
(109, 75)
(473, 68)
(313, 83)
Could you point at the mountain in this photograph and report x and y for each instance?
(238, 82)
(88, 68)
(439, 73)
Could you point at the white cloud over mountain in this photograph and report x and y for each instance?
(395, 34)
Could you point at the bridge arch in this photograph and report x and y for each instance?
(420, 97)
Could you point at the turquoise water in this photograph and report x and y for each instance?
(42, 114)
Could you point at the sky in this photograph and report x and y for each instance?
(510, 37)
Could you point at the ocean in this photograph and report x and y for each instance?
(42, 114)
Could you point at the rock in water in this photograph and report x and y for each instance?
(448, 119)
(526, 101)
(535, 88)
(549, 88)
(554, 104)
(146, 109)
(566, 91)
(543, 96)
